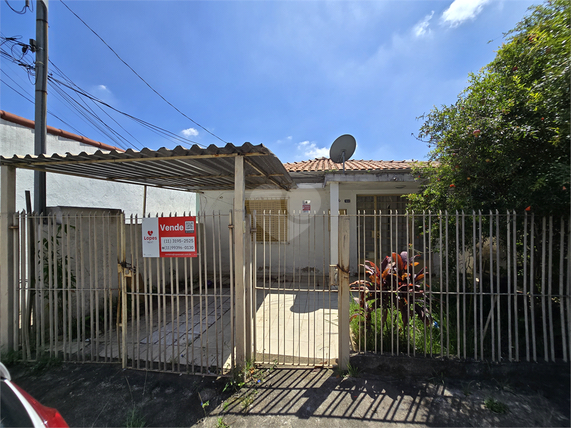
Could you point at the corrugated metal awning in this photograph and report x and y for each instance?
(193, 169)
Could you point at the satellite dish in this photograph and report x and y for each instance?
(342, 149)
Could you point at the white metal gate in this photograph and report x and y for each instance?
(295, 317)
(84, 293)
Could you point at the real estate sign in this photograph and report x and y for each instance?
(169, 237)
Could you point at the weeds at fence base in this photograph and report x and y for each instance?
(135, 419)
(10, 358)
(495, 405)
(392, 336)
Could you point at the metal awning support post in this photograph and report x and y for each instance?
(239, 260)
(8, 207)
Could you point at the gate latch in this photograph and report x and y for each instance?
(125, 268)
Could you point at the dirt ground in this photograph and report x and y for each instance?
(94, 395)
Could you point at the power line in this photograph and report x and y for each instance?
(23, 11)
(79, 106)
(32, 102)
(137, 74)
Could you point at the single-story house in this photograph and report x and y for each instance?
(322, 187)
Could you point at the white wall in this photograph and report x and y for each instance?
(63, 190)
(294, 252)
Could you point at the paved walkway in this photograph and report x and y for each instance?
(293, 327)
(319, 398)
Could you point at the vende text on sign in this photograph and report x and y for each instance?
(169, 237)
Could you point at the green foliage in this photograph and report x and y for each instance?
(220, 423)
(46, 362)
(353, 371)
(496, 406)
(390, 335)
(505, 143)
(392, 285)
(135, 419)
(10, 358)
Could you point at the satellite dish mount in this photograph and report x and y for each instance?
(342, 149)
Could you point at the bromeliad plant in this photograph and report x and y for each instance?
(393, 285)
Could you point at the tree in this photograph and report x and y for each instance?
(505, 143)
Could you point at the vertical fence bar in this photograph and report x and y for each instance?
(458, 256)
(532, 287)
(90, 252)
(562, 297)
(427, 272)
(515, 286)
(362, 331)
(49, 259)
(107, 302)
(232, 293)
(549, 289)
(543, 307)
(447, 288)
(97, 226)
(525, 293)
(441, 281)
(509, 284)
(18, 281)
(474, 285)
(481, 285)
(430, 263)
(464, 292)
(499, 299)
(492, 294)
(26, 281)
(568, 294)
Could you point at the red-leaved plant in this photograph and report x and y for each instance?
(393, 285)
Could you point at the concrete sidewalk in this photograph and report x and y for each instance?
(319, 398)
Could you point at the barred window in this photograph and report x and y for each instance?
(271, 219)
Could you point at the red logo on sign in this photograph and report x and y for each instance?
(150, 232)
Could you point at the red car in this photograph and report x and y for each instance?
(20, 409)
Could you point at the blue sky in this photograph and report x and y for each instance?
(292, 75)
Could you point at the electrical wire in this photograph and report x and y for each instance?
(137, 74)
(23, 11)
(62, 84)
(49, 112)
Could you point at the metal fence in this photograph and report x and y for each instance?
(494, 287)
(483, 286)
(295, 321)
(85, 293)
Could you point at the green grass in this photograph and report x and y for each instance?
(10, 358)
(221, 424)
(46, 362)
(495, 405)
(135, 419)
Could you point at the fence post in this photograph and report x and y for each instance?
(8, 207)
(239, 260)
(344, 292)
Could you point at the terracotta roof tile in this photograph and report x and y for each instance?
(326, 164)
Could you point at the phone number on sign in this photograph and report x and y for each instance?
(177, 244)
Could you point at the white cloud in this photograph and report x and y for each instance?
(311, 151)
(103, 93)
(421, 28)
(285, 140)
(462, 10)
(190, 132)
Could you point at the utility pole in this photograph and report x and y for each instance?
(40, 129)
